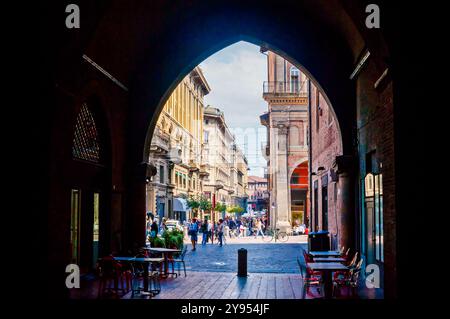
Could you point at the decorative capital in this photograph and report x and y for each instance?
(282, 129)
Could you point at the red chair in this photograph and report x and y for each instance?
(346, 256)
(349, 279)
(345, 273)
(309, 259)
(110, 271)
(308, 279)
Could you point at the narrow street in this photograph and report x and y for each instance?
(261, 257)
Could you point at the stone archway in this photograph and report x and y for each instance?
(144, 48)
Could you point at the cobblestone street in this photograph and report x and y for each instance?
(262, 257)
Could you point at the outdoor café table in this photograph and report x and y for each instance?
(329, 253)
(329, 260)
(165, 252)
(146, 262)
(327, 269)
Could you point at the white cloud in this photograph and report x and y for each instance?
(236, 75)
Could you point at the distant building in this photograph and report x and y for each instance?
(312, 193)
(224, 162)
(286, 152)
(176, 147)
(258, 194)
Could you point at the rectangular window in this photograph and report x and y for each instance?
(373, 191)
(75, 225)
(161, 174)
(96, 230)
(317, 111)
(316, 206)
(325, 202)
(378, 218)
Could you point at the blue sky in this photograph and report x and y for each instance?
(236, 75)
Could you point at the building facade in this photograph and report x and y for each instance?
(176, 148)
(224, 163)
(286, 120)
(258, 194)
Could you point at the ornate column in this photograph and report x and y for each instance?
(282, 210)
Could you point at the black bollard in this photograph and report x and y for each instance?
(242, 262)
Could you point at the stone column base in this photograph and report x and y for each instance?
(284, 226)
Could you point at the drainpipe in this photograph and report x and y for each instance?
(309, 153)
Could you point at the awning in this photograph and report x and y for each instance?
(180, 204)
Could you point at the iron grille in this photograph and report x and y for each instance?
(86, 143)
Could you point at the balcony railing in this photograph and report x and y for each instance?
(296, 88)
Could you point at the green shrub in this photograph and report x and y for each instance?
(173, 238)
(157, 242)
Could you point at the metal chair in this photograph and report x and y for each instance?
(138, 272)
(154, 283)
(309, 280)
(353, 261)
(347, 254)
(137, 275)
(110, 272)
(179, 261)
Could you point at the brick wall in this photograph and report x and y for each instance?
(325, 146)
(375, 118)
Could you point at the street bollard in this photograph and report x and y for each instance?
(242, 262)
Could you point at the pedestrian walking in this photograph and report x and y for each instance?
(241, 230)
(154, 229)
(148, 227)
(193, 230)
(205, 232)
(259, 228)
(220, 232)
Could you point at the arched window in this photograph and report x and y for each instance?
(86, 141)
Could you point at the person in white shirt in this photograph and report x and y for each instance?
(259, 228)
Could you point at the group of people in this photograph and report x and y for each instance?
(154, 226)
(225, 227)
(195, 226)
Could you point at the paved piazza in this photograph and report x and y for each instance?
(261, 257)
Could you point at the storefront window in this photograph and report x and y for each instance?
(373, 185)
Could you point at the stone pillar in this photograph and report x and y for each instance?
(282, 202)
(135, 212)
(346, 170)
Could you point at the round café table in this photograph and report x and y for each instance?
(146, 261)
(165, 252)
